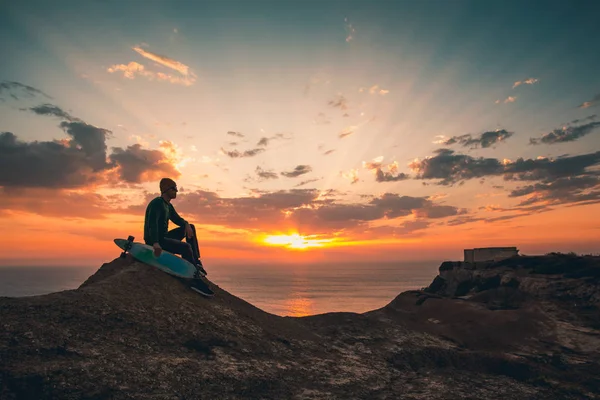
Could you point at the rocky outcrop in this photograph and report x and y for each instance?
(131, 331)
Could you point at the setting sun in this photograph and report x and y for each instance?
(296, 241)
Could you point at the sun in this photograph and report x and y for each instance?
(295, 241)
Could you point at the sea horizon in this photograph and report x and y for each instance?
(296, 290)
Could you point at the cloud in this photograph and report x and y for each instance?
(89, 141)
(450, 168)
(351, 175)
(509, 99)
(264, 141)
(186, 77)
(299, 170)
(136, 164)
(59, 203)
(588, 118)
(264, 175)
(566, 134)
(236, 134)
(328, 152)
(15, 90)
(529, 81)
(237, 154)
(340, 102)
(51, 164)
(591, 103)
(306, 182)
(391, 175)
(52, 110)
(163, 60)
(547, 170)
(564, 190)
(350, 31)
(347, 131)
(375, 89)
(79, 160)
(484, 140)
(134, 69)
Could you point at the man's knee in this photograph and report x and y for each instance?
(193, 227)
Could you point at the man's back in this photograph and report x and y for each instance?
(156, 221)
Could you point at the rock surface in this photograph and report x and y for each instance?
(523, 328)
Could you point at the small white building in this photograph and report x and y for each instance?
(490, 254)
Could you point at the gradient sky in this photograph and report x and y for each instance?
(397, 130)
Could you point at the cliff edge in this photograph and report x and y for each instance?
(524, 327)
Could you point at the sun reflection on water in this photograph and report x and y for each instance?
(298, 307)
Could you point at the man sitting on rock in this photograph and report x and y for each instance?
(156, 225)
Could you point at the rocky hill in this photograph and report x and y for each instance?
(523, 328)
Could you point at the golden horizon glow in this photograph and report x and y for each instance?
(296, 241)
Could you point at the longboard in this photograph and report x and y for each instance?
(166, 262)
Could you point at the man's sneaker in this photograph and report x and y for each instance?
(199, 286)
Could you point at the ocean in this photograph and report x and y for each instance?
(290, 290)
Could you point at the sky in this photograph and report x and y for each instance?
(300, 131)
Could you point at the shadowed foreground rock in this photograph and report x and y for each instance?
(518, 329)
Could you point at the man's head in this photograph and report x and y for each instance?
(168, 187)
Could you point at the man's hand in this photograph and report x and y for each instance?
(157, 249)
(188, 231)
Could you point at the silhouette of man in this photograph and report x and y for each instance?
(156, 227)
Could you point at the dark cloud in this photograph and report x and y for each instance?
(328, 152)
(439, 211)
(299, 170)
(588, 118)
(545, 169)
(77, 161)
(566, 134)
(90, 140)
(52, 110)
(16, 90)
(307, 182)
(264, 141)
(138, 165)
(56, 164)
(381, 176)
(236, 134)
(237, 154)
(591, 103)
(566, 190)
(484, 140)
(452, 168)
(266, 174)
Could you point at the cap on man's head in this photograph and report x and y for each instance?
(166, 184)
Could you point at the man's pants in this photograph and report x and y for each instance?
(189, 249)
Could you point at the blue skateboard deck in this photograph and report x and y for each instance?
(166, 262)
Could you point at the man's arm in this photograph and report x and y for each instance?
(154, 218)
(176, 218)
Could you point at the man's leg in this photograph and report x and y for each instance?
(176, 235)
(194, 242)
(178, 247)
(179, 234)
